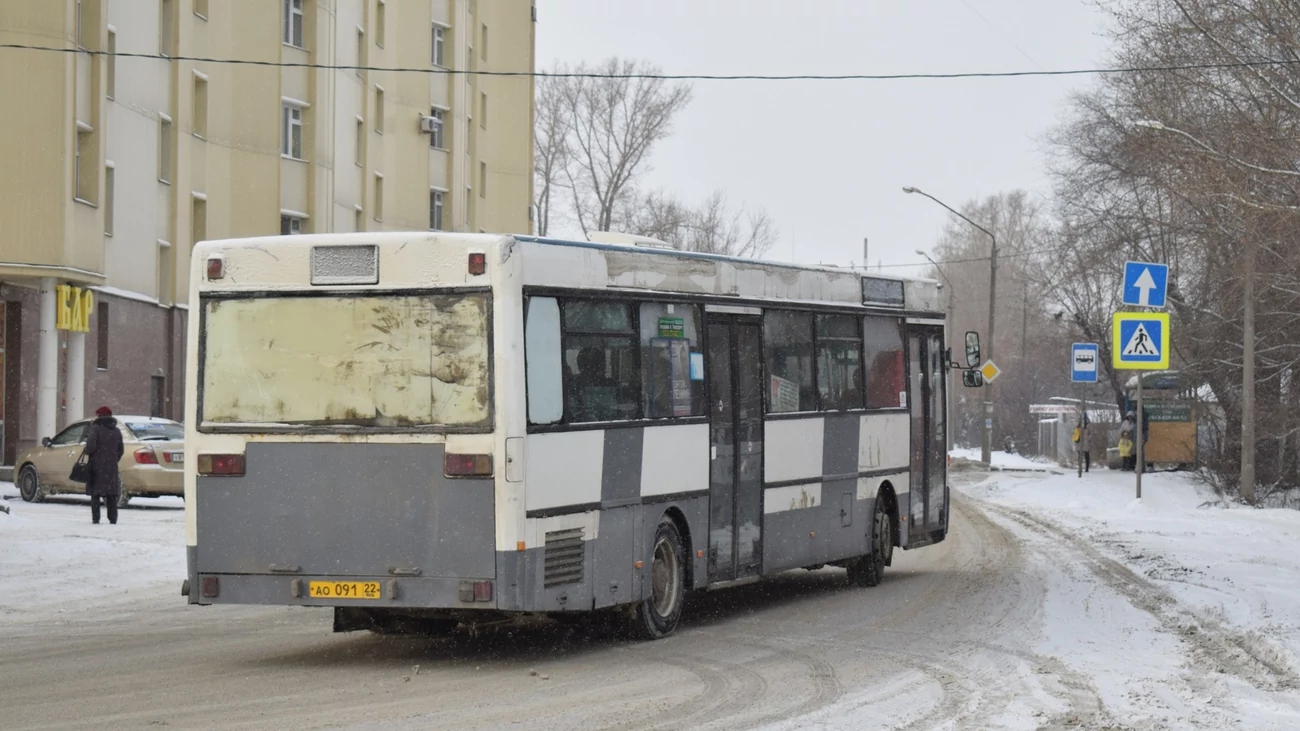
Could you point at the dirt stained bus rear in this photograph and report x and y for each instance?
(422, 429)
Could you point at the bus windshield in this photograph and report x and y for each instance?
(386, 361)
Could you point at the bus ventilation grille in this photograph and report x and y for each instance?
(564, 557)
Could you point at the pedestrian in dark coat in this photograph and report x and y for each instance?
(103, 450)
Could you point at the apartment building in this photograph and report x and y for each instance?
(115, 163)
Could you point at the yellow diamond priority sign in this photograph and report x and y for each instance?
(990, 371)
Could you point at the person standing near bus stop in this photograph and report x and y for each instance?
(103, 450)
(1081, 445)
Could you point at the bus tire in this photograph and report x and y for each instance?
(869, 570)
(29, 485)
(658, 614)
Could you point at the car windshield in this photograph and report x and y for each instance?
(147, 431)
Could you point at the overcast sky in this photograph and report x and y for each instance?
(828, 159)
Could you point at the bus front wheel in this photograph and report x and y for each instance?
(658, 614)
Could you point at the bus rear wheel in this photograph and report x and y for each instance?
(658, 614)
(869, 570)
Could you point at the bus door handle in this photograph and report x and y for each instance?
(404, 571)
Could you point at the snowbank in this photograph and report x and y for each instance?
(1006, 461)
(1234, 564)
(54, 560)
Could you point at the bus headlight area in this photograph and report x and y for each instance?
(668, 422)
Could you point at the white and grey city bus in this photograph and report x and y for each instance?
(422, 429)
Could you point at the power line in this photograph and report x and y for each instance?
(667, 77)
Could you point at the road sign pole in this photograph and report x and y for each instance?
(1141, 451)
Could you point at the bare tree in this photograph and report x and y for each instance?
(713, 227)
(550, 147)
(610, 123)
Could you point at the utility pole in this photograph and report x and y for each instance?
(1247, 486)
(986, 452)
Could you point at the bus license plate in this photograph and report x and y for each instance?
(344, 590)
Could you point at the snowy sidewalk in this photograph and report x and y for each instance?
(54, 561)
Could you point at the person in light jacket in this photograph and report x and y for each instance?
(1081, 447)
(103, 450)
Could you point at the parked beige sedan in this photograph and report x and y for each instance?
(153, 463)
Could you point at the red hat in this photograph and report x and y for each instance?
(103, 411)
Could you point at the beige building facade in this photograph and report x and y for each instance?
(132, 136)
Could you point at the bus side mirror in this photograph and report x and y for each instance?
(972, 349)
(972, 379)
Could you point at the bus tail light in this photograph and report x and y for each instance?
(216, 268)
(467, 465)
(145, 456)
(477, 263)
(222, 465)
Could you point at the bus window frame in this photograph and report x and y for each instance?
(204, 427)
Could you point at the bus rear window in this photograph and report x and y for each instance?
(348, 361)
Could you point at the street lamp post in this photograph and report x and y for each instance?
(986, 451)
(952, 315)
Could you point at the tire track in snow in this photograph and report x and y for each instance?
(1214, 647)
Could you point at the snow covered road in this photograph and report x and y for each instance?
(1055, 603)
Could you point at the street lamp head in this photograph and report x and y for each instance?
(1149, 124)
(922, 253)
(910, 189)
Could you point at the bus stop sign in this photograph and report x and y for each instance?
(1083, 362)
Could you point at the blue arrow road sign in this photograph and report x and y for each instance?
(1083, 362)
(1145, 284)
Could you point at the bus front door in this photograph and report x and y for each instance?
(735, 358)
(927, 512)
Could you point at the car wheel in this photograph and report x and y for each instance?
(29, 485)
(657, 616)
(123, 499)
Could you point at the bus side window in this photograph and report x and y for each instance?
(789, 340)
(600, 355)
(669, 334)
(542, 357)
(886, 380)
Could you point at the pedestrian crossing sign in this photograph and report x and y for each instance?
(1140, 341)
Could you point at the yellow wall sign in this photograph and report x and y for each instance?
(73, 309)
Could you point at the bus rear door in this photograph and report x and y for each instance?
(927, 511)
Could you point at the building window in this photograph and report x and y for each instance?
(361, 141)
(165, 24)
(482, 43)
(439, 122)
(86, 167)
(885, 366)
(482, 109)
(81, 28)
(361, 50)
(670, 334)
(379, 197)
(839, 362)
(482, 180)
(200, 106)
(199, 221)
(165, 150)
(164, 272)
(381, 19)
(435, 210)
(201, 8)
(789, 340)
(439, 45)
(102, 310)
(379, 109)
(291, 132)
(600, 357)
(290, 225)
(293, 22)
(111, 60)
(110, 180)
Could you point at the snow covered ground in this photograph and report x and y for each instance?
(53, 560)
(1007, 461)
(1220, 585)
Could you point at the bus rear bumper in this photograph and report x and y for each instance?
(344, 591)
